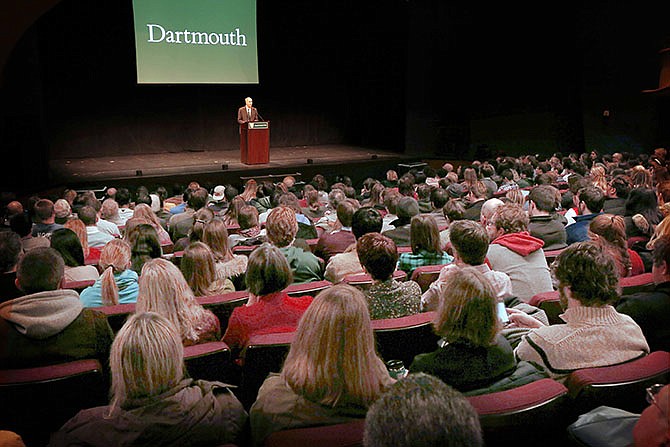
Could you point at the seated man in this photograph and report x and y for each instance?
(45, 219)
(281, 228)
(545, 223)
(95, 237)
(651, 309)
(49, 325)
(595, 334)
(515, 252)
(407, 208)
(422, 410)
(337, 241)
(590, 202)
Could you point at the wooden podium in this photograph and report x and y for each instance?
(255, 142)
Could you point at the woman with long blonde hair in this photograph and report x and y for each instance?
(142, 210)
(164, 290)
(118, 283)
(197, 266)
(79, 229)
(332, 369)
(598, 177)
(148, 385)
(228, 265)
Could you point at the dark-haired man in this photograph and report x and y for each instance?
(545, 223)
(590, 202)
(595, 334)
(44, 216)
(96, 238)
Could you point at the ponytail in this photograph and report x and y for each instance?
(109, 291)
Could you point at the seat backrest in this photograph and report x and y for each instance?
(117, 314)
(222, 305)
(311, 243)
(620, 386)
(405, 337)
(539, 410)
(264, 354)
(38, 401)
(637, 283)
(308, 288)
(364, 280)
(550, 303)
(209, 361)
(77, 285)
(244, 249)
(426, 275)
(551, 255)
(348, 434)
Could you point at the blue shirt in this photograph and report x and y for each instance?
(578, 231)
(126, 281)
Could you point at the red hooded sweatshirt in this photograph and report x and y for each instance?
(521, 243)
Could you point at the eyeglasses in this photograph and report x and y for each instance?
(652, 392)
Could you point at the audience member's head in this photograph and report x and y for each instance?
(346, 210)
(200, 218)
(424, 234)
(62, 210)
(40, 270)
(248, 217)
(88, 215)
(10, 251)
(488, 210)
(198, 199)
(332, 360)
(467, 309)
(199, 268)
(122, 197)
(79, 229)
(146, 359)
(114, 259)
(109, 210)
(591, 200)
(378, 255)
(509, 218)
(366, 220)
(453, 210)
(215, 236)
(586, 274)
(21, 224)
(268, 271)
(144, 245)
(281, 226)
(609, 231)
(543, 199)
(67, 243)
(661, 264)
(439, 197)
(44, 212)
(470, 241)
(407, 208)
(421, 410)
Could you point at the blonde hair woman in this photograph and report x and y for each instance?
(598, 177)
(332, 369)
(228, 265)
(197, 266)
(109, 211)
(79, 229)
(472, 353)
(144, 211)
(118, 283)
(164, 290)
(662, 229)
(148, 385)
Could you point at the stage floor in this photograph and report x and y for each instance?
(100, 170)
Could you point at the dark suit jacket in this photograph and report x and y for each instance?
(242, 115)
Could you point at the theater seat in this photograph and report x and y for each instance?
(308, 288)
(77, 285)
(264, 354)
(210, 361)
(533, 414)
(117, 314)
(222, 305)
(38, 401)
(551, 255)
(405, 337)
(364, 280)
(620, 386)
(637, 283)
(426, 275)
(550, 303)
(348, 434)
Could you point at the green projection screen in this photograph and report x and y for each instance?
(196, 41)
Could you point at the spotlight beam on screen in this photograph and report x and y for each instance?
(196, 41)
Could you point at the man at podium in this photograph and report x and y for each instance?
(248, 112)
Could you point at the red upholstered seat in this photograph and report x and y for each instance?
(349, 434)
(426, 275)
(405, 337)
(312, 243)
(37, 401)
(365, 280)
(535, 414)
(222, 305)
(550, 303)
(308, 288)
(117, 314)
(210, 361)
(637, 283)
(404, 249)
(77, 285)
(550, 255)
(621, 386)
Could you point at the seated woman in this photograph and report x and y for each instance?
(91, 254)
(118, 283)
(472, 353)
(66, 242)
(233, 211)
(249, 232)
(609, 232)
(144, 211)
(144, 243)
(164, 290)
(332, 373)
(426, 246)
(201, 218)
(387, 298)
(152, 402)
(198, 267)
(228, 265)
(269, 308)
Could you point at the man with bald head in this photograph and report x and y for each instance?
(248, 112)
(488, 210)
